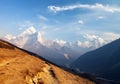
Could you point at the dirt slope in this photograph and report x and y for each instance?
(19, 67)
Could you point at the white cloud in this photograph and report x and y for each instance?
(94, 40)
(90, 37)
(81, 22)
(110, 36)
(85, 44)
(102, 37)
(96, 6)
(60, 42)
(9, 37)
(42, 18)
(100, 17)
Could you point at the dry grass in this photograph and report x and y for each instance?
(18, 67)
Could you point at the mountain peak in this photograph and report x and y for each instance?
(29, 31)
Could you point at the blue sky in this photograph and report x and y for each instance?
(61, 19)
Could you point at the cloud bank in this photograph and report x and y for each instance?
(96, 6)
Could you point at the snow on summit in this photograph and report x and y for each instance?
(55, 50)
(29, 31)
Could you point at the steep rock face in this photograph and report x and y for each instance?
(22, 67)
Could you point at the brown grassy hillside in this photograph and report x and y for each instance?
(19, 67)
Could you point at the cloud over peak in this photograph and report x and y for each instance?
(96, 6)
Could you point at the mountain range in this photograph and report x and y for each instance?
(58, 51)
(103, 62)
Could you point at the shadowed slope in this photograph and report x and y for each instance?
(103, 62)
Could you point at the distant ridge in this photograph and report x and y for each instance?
(56, 50)
(103, 62)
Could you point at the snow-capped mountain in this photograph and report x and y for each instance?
(57, 51)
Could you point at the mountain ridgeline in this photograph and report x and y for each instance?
(103, 62)
(18, 66)
(54, 50)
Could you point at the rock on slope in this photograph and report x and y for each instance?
(18, 66)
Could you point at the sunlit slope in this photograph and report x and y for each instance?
(20, 67)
